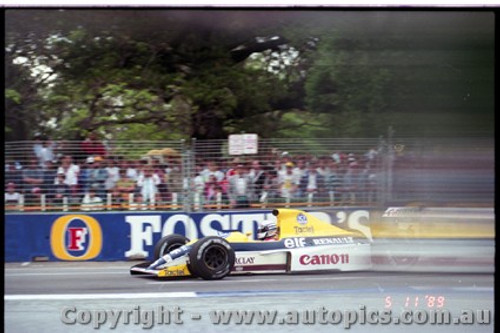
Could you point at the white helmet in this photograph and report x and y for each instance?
(267, 229)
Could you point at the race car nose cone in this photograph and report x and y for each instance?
(157, 263)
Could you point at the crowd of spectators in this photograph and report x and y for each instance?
(88, 179)
(340, 178)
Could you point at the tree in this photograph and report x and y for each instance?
(125, 80)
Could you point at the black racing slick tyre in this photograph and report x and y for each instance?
(168, 243)
(211, 258)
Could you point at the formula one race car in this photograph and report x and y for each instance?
(303, 243)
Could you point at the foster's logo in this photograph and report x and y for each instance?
(76, 237)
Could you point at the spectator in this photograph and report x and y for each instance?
(91, 201)
(59, 190)
(71, 172)
(11, 195)
(332, 179)
(321, 166)
(212, 169)
(33, 182)
(148, 186)
(288, 182)
(219, 191)
(277, 166)
(239, 188)
(286, 158)
(13, 172)
(371, 154)
(257, 176)
(211, 189)
(92, 146)
(49, 174)
(161, 171)
(132, 170)
(351, 183)
(270, 186)
(198, 184)
(113, 174)
(46, 153)
(312, 182)
(96, 176)
(123, 188)
(231, 171)
(300, 170)
(174, 178)
(37, 146)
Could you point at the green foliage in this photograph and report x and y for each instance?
(169, 74)
(13, 95)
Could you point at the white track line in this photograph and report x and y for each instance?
(61, 273)
(250, 280)
(50, 297)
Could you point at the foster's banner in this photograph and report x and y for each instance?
(130, 235)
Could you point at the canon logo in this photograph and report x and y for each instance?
(324, 259)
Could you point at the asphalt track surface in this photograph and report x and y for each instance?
(36, 295)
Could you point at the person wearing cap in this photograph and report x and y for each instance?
(288, 181)
(286, 159)
(96, 175)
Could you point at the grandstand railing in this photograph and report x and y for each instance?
(196, 175)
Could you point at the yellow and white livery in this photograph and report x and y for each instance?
(304, 243)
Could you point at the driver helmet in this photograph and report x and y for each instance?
(267, 229)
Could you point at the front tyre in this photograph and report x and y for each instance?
(167, 244)
(211, 258)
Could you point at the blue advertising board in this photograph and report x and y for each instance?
(111, 236)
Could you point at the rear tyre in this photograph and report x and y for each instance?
(211, 258)
(167, 244)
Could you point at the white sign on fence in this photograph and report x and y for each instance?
(242, 144)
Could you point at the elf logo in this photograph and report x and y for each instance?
(76, 237)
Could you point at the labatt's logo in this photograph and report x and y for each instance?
(76, 237)
(324, 259)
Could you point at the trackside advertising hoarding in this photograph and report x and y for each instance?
(108, 236)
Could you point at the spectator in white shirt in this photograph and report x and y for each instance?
(113, 172)
(11, 195)
(239, 188)
(46, 153)
(91, 201)
(148, 185)
(212, 170)
(71, 172)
